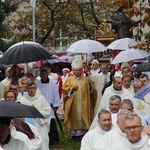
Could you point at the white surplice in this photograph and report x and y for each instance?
(43, 125)
(21, 99)
(50, 93)
(143, 144)
(18, 141)
(91, 138)
(99, 81)
(140, 107)
(108, 93)
(37, 142)
(109, 139)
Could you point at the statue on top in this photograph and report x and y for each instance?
(122, 23)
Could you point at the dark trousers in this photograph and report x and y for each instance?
(53, 134)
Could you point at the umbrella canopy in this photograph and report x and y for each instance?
(86, 46)
(122, 44)
(84, 57)
(63, 58)
(12, 109)
(143, 67)
(53, 61)
(25, 52)
(130, 54)
(59, 52)
(144, 90)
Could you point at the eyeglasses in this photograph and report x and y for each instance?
(134, 128)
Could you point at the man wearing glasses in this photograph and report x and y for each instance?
(135, 138)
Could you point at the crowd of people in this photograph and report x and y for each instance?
(97, 104)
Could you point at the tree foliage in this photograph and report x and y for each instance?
(141, 9)
(5, 9)
(77, 18)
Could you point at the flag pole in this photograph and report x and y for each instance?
(33, 5)
(33, 19)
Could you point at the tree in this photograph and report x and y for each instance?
(78, 18)
(141, 9)
(5, 9)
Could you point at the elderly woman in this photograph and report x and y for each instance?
(95, 69)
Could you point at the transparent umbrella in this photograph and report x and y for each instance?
(122, 44)
(86, 46)
(130, 54)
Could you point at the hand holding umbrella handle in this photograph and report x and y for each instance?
(54, 108)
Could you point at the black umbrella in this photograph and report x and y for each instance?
(143, 67)
(12, 109)
(25, 52)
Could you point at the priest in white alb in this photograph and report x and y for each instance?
(135, 139)
(100, 80)
(39, 102)
(104, 125)
(116, 135)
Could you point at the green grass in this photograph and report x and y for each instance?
(66, 142)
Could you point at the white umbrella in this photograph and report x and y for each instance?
(122, 44)
(85, 58)
(130, 54)
(86, 46)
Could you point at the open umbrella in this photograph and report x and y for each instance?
(130, 54)
(11, 109)
(25, 52)
(63, 58)
(143, 67)
(122, 44)
(83, 57)
(86, 46)
(53, 61)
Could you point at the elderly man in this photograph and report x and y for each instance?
(114, 106)
(24, 81)
(128, 104)
(79, 101)
(115, 89)
(116, 135)
(135, 138)
(140, 107)
(104, 126)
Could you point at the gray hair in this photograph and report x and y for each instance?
(131, 117)
(114, 97)
(126, 101)
(123, 112)
(24, 78)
